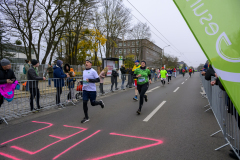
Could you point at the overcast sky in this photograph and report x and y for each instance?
(165, 16)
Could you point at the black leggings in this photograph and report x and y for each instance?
(85, 107)
(59, 92)
(169, 78)
(142, 89)
(183, 74)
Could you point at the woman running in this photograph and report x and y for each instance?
(142, 74)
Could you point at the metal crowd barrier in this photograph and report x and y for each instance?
(225, 113)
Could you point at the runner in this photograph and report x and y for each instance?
(90, 77)
(169, 75)
(175, 72)
(163, 74)
(190, 72)
(137, 65)
(183, 72)
(142, 74)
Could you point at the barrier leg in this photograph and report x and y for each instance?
(222, 146)
(215, 133)
(4, 120)
(208, 109)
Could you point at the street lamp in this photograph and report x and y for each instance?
(163, 54)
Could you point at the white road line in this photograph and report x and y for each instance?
(182, 82)
(153, 89)
(154, 111)
(176, 89)
(186, 79)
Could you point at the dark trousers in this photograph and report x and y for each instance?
(114, 80)
(169, 78)
(142, 89)
(34, 92)
(190, 74)
(59, 92)
(101, 88)
(183, 74)
(92, 96)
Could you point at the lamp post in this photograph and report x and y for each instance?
(163, 53)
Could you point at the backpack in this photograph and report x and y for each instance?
(24, 70)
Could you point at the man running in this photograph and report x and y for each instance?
(183, 72)
(169, 74)
(175, 72)
(142, 74)
(90, 77)
(137, 65)
(163, 74)
(190, 72)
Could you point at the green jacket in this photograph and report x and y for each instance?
(27, 66)
(144, 78)
(50, 72)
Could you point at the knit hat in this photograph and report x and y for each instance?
(5, 62)
(34, 62)
(144, 62)
(89, 60)
(59, 63)
(162, 67)
(137, 61)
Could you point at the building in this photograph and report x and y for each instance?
(140, 48)
(19, 53)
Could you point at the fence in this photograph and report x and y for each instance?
(225, 113)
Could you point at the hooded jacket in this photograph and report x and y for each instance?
(32, 75)
(6, 74)
(58, 76)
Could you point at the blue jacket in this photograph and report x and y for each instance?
(169, 71)
(58, 73)
(71, 82)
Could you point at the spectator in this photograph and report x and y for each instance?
(50, 74)
(59, 79)
(6, 75)
(130, 78)
(114, 76)
(33, 84)
(66, 68)
(71, 85)
(102, 75)
(123, 76)
(25, 71)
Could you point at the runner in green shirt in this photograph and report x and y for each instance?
(143, 76)
(163, 73)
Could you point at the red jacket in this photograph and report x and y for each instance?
(190, 70)
(183, 71)
(174, 70)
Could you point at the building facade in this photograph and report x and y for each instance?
(140, 48)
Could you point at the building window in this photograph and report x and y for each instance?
(129, 50)
(120, 51)
(125, 51)
(133, 50)
(128, 43)
(124, 44)
(116, 51)
(120, 44)
(137, 43)
(137, 50)
(133, 43)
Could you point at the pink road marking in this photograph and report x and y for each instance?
(130, 150)
(61, 139)
(49, 125)
(75, 145)
(9, 156)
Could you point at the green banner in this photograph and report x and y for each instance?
(216, 26)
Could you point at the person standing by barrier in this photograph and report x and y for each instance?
(123, 76)
(137, 65)
(143, 76)
(102, 75)
(25, 71)
(90, 77)
(163, 74)
(71, 84)
(6, 76)
(50, 74)
(59, 79)
(33, 84)
(183, 72)
(169, 72)
(114, 76)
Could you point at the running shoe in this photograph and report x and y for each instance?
(135, 98)
(145, 96)
(138, 112)
(85, 120)
(102, 104)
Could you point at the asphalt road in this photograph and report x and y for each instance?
(178, 130)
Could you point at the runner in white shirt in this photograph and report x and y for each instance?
(90, 77)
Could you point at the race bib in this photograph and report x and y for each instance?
(169, 74)
(85, 83)
(141, 79)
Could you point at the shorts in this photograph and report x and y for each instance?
(163, 79)
(135, 82)
(89, 95)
